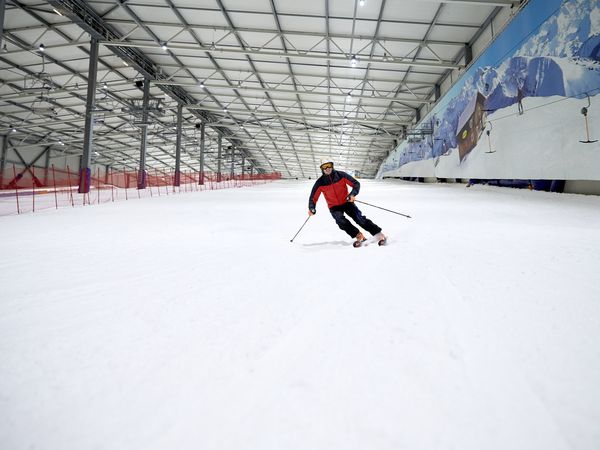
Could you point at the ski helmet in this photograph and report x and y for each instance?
(325, 164)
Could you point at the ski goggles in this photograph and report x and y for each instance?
(327, 165)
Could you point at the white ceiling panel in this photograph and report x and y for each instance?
(410, 10)
(473, 14)
(251, 20)
(306, 24)
(295, 7)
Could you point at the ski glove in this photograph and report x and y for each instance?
(312, 211)
(350, 198)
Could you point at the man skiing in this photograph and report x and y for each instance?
(332, 184)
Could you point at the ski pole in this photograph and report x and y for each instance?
(292, 240)
(388, 210)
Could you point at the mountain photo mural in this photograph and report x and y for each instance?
(517, 112)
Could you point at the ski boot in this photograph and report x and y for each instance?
(380, 238)
(359, 240)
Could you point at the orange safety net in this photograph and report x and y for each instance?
(26, 189)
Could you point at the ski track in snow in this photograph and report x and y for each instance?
(192, 322)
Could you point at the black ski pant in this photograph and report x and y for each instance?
(354, 213)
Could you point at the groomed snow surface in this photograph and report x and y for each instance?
(191, 322)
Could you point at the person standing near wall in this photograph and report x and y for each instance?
(333, 184)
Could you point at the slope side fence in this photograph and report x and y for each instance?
(31, 189)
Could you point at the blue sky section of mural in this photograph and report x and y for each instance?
(551, 48)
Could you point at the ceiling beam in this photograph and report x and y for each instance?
(274, 114)
(362, 59)
(292, 32)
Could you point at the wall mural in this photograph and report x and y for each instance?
(527, 108)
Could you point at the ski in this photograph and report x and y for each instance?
(363, 242)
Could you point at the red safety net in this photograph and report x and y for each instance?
(32, 189)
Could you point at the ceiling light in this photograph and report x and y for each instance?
(164, 46)
(13, 130)
(353, 60)
(212, 46)
(361, 2)
(42, 48)
(202, 84)
(349, 97)
(225, 109)
(57, 11)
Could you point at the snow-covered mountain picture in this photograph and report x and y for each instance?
(554, 66)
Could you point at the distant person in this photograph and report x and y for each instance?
(333, 185)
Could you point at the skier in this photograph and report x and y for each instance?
(332, 184)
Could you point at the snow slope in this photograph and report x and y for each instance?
(191, 321)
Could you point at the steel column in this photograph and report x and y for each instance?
(243, 165)
(2, 8)
(220, 148)
(142, 168)
(232, 161)
(47, 166)
(177, 179)
(202, 142)
(85, 172)
(468, 54)
(3, 158)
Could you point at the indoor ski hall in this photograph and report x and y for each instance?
(299, 225)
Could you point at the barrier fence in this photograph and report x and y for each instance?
(32, 189)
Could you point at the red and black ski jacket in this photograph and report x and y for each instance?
(333, 187)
